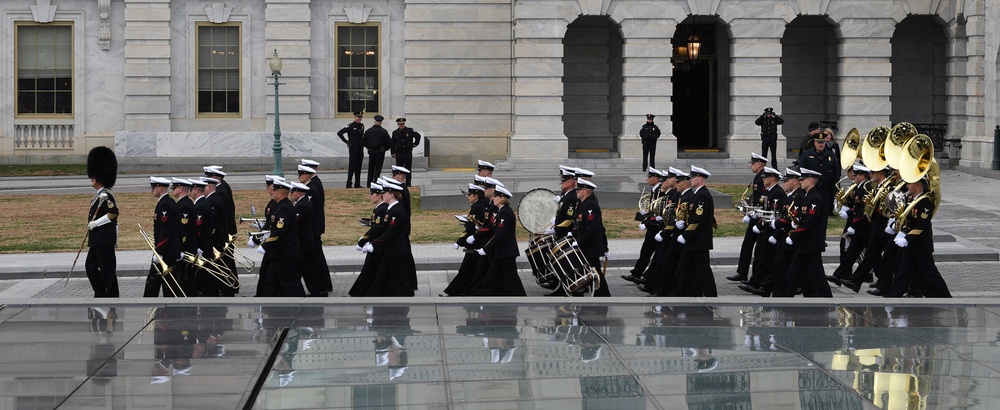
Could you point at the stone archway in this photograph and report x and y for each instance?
(919, 75)
(809, 60)
(700, 116)
(592, 85)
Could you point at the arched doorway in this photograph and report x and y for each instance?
(919, 75)
(700, 85)
(808, 77)
(592, 85)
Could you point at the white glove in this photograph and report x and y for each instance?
(550, 231)
(456, 246)
(642, 227)
(756, 229)
(154, 258)
(850, 230)
(569, 234)
(658, 237)
(681, 240)
(250, 243)
(659, 218)
(901, 242)
(260, 250)
(643, 213)
(795, 225)
(557, 198)
(575, 244)
(358, 248)
(98, 222)
(199, 252)
(888, 226)
(481, 252)
(772, 240)
(900, 235)
(368, 248)
(843, 212)
(607, 255)
(680, 224)
(746, 219)
(470, 240)
(788, 240)
(774, 224)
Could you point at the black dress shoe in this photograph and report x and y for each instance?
(855, 286)
(745, 282)
(631, 278)
(876, 292)
(834, 280)
(736, 278)
(645, 289)
(753, 289)
(549, 285)
(357, 186)
(874, 285)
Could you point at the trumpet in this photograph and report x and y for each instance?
(161, 267)
(219, 271)
(254, 222)
(744, 201)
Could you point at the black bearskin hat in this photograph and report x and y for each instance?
(102, 165)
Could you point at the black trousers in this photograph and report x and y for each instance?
(595, 263)
(265, 281)
(887, 269)
(306, 268)
(851, 255)
(873, 259)
(230, 262)
(770, 143)
(746, 251)
(354, 166)
(405, 160)
(918, 273)
(648, 154)
(806, 270)
(646, 251)
(287, 277)
(777, 275)
(763, 258)
(694, 275)
(501, 279)
(101, 265)
(666, 265)
(321, 267)
(375, 160)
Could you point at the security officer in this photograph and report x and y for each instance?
(808, 236)
(377, 141)
(756, 189)
(769, 122)
(283, 244)
(404, 140)
(102, 224)
(648, 135)
(589, 231)
(694, 270)
(823, 161)
(166, 233)
(355, 145)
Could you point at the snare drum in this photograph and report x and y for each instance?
(539, 257)
(574, 274)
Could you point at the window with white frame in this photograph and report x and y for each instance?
(44, 69)
(218, 62)
(357, 56)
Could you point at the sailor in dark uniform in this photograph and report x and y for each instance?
(764, 251)
(282, 246)
(266, 282)
(220, 238)
(396, 271)
(484, 232)
(484, 169)
(808, 236)
(317, 203)
(166, 234)
(477, 213)
(227, 222)
(307, 240)
(589, 231)
(859, 229)
(756, 189)
(404, 140)
(188, 233)
(694, 270)
(917, 272)
(668, 255)
(501, 278)
(649, 224)
(355, 132)
(776, 275)
(204, 223)
(376, 224)
(102, 223)
(400, 175)
(377, 142)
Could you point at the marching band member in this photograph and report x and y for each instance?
(266, 281)
(776, 275)
(467, 270)
(485, 231)
(917, 272)
(188, 234)
(283, 246)
(396, 271)
(650, 278)
(880, 253)
(317, 198)
(694, 269)
(375, 227)
(859, 230)
(485, 169)
(648, 223)
(501, 279)
(166, 235)
(808, 236)
(400, 174)
(227, 221)
(757, 165)
(764, 251)
(205, 224)
(662, 273)
(589, 231)
(102, 224)
(306, 263)
(220, 237)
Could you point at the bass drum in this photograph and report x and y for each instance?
(536, 210)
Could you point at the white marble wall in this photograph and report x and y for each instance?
(163, 145)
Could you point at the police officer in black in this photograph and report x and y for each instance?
(769, 122)
(648, 135)
(102, 224)
(404, 140)
(283, 244)
(355, 144)
(823, 161)
(377, 141)
(166, 234)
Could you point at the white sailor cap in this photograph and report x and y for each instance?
(563, 168)
(309, 163)
(269, 179)
(862, 168)
(208, 180)
(474, 187)
(503, 191)
(391, 186)
(580, 172)
(197, 183)
(567, 174)
(485, 165)
(494, 182)
(298, 186)
(791, 174)
(806, 173)
(583, 183)
(653, 172)
(374, 188)
(673, 172)
(214, 170)
(768, 171)
(699, 172)
(396, 169)
(681, 175)
(282, 185)
(757, 158)
(158, 181)
(479, 180)
(306, 170)
(180, 182)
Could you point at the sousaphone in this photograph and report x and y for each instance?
(917, 161)
(901, 134)
(851, 150)
(872, 149)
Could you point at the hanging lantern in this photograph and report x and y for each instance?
(693, 46)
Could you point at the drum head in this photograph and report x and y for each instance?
(536, 209)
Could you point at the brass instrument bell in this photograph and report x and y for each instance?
(872, 149)
(901, 134)
(851, 150)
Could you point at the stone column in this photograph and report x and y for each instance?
(865, 68)
(647, 87)
(287, 30)
(755, 84)
(538, 89)
(147, 65)
(966, 102)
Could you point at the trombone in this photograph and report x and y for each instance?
(162, 269)
(220, 271)
(232, 251)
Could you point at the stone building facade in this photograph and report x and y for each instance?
(164, 81)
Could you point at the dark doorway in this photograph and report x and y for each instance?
(693, 105)
(592, 84)
(700, 85)
(809, 79)
(919, 64)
